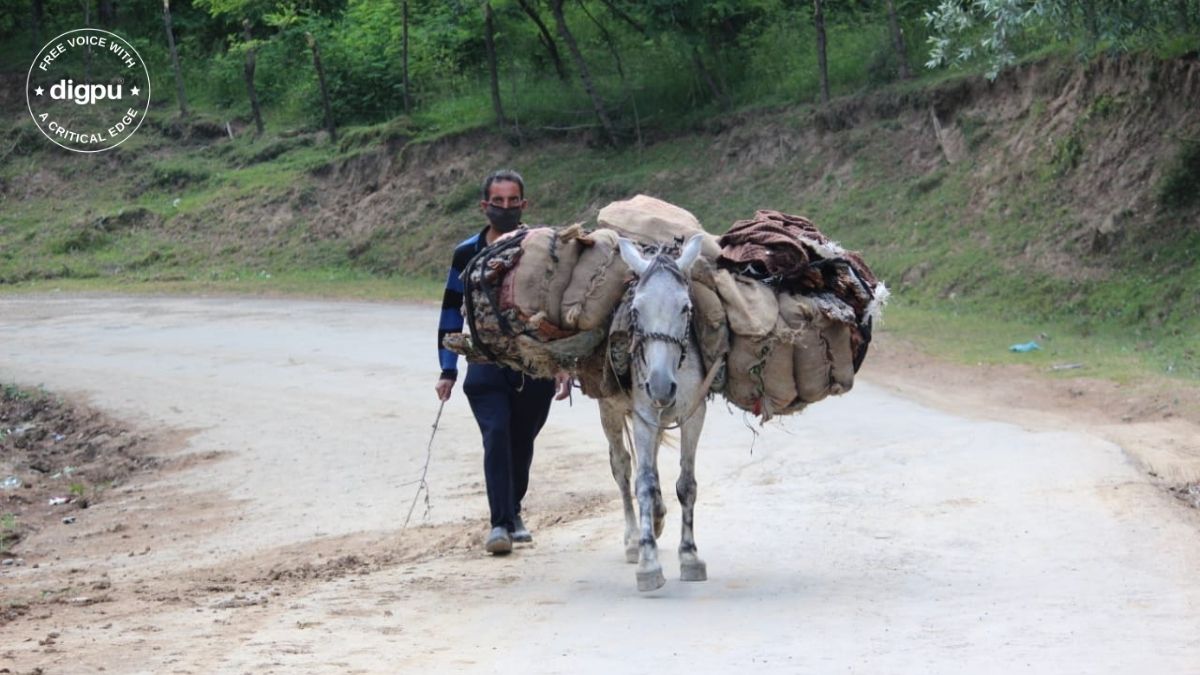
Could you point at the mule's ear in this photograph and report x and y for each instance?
(632, 256)
(691, 251)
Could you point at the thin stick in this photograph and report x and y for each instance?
(422, 485)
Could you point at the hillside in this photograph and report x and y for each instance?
(1061, 198)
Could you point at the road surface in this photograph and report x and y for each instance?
(871, 534)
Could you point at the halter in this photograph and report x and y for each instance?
(639, 337)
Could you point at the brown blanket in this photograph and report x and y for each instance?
(789, 252)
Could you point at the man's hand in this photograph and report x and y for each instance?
(562, 383)
(443, 389)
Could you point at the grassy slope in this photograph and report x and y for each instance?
(948, 253)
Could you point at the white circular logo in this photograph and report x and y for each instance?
(88, 90)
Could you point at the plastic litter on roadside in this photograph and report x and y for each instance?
(10, 483)
(1024, 347)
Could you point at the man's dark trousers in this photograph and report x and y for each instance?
(510, 408)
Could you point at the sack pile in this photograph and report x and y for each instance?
(800, 308)
(781, 312)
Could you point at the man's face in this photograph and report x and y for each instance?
(504, 194)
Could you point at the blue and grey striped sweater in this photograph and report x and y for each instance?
(452, 301)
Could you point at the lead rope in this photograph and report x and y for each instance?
(422, 484)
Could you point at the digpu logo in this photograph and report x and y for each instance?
(83, 93)
(88, 90)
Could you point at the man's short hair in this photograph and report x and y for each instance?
(503, 175)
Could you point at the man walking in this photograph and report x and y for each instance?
(509, 406)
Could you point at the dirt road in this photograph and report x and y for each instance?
(871, 534)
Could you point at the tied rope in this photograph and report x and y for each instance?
(422, 484)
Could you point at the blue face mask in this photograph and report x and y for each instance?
(502, 219)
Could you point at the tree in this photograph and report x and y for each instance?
(1115, 24)
(705, 27)
(404, 61)
(107, 12)
(489, 41)
(179, 92)
(822, 64)
(248, 71)
(898, 40)
(545, 38)
(556, 7)
(316, 55)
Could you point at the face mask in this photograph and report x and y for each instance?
(504, 220)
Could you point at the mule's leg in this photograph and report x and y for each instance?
(649, 570)
(660, 507)
(691, 567)
(612, 418)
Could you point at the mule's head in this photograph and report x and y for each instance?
(662, 310)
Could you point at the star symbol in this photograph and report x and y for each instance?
(134, 91)
(38, 91)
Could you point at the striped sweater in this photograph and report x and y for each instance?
(452, 301)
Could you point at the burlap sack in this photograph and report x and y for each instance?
(596, 284)
(650, 220)
(823, 362)
(750, 305)
(743, 367)
(712, 330)
(543, 273)
(778, 374)
(836, 337)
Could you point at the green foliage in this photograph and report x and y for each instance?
(992, 31)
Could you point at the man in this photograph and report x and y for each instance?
(509, 406)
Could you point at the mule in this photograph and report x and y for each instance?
(668, 389)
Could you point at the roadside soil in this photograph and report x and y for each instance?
(939, 518)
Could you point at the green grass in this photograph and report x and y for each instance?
(956, 261)
(8, 531)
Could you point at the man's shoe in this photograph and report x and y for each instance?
(520, 533)
(499, 541)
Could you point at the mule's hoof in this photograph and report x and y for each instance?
(631, 555)
(651, 580)
(693, 571)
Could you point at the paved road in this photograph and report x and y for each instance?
(871, 534)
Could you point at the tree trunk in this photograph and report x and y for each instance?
(489, 44)
(1093, 23)
(898, 40)
(404, 60)
(316, 52)
(87, 52)
(107, 12)
(251, 59)
(714, 88)
(179, 92)
(622, 15)
(556, 6)
(608, 40)
(37, 16)
(546, 39)
(822, 65)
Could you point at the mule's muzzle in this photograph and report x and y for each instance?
(661, 387)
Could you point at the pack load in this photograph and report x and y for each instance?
(801, 309)
(781, 313)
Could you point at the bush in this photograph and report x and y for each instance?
(1178, 188)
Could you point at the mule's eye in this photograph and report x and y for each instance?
(684, 310)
